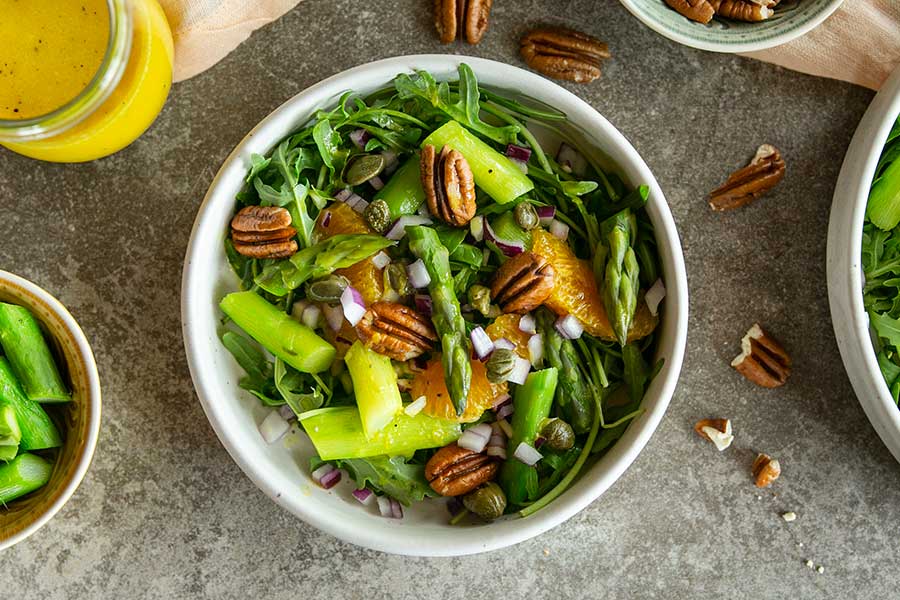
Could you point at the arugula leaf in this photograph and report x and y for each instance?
(391, 476)
(291, 384)
(259, 378)
(886, 327)
(636, 372)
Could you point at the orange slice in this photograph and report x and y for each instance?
(507, 326)
(430, 383)
(364, 275)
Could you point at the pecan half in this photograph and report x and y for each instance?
(763, 173)
(695, 10)
(454, 471)
(263, 232)
(449, 185)
(396, 331)
(743, 10)
(464, 18)
(765, 470)
(762, 359)
(523, 282)
(717, 431)
(563, 53)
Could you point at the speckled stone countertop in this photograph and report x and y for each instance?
(165, 513)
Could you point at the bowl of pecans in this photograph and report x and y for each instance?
(732, 25)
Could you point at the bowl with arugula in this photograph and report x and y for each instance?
(429, 314)
(864, 263)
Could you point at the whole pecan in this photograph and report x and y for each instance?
(263, 232)
(454, 471)
(696, 10)
(762, 359)
(563, 53)
(396, 331)
(745, 185)
(743, 10)
(449, 185)
(523, 282)
(467, 18)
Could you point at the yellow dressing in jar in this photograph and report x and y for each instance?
(81, 79)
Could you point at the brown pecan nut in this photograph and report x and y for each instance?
(762, 359)
(263, 232)
(743, 10)
(696, 10)
(464, 18)
(563, 53)
(454, 471)
(523, 282)
(765, 470)
(449, 185)
(747, 184)
(396, 331)
(717, 431)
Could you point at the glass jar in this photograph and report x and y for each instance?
(123, 98)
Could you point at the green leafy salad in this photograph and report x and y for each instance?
(446, 308)
(881, 261)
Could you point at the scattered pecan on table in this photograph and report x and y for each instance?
(523, 282)
(454, 471)
(396, 331)
(743, 186)
(762, 359)
(449, 185)
(765, 470)
(564, 53)
(464, 18)
(263, 232)
(717, 431)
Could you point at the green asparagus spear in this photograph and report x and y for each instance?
(10, 434)
(319, 260)
(621, 275)
(447, 318)
(23, 475)
(30, 356)
(572, 395)
(403, 192)
(37, 430)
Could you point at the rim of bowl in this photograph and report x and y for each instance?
(844, 272)
(86, 355)
(464, 540)
(777, 39)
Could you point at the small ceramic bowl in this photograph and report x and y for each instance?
(845, 275)
(792, 19)
(80, 417)
(281, 469)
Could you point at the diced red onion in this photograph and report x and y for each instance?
(398, 229)
(569, 327)
(475, 438)
(423, 304)
(381, 260)
(416, 406)
(476, 227)
(384, 507)
(519, 371)
(521, 164)
(321, 472)
(298, 308)
(654, 296)
(527, 454)
(334, 316)
(497, 451)
(326, 219)
(359, 137)
(390, 162)
(418, 274)
(504, 343)
(507, 247)
(286, 412)
(353, 305)
(506, 427)
(527, 323)
(481, 343)
(500, 401)
(343, 194)
(376, 183)
(539, 441)
(330, 479)
(546, 214)
(559, 229)
(357, 203)
(273, 427)
(518, 152)
(505, 410)
(571, 160)
(536, 349)
(396, 509)
(497, 439)
(365, 496)
(311, 316)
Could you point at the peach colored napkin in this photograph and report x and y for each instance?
(859, 43)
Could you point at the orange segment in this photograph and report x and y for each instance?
(364, 275)
(430, 383)
(507, 326)
(341, 339)
(575, 292)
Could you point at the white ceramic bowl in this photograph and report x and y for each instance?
(792, 19)
(280, 470)
(845, 276)
(82, 415)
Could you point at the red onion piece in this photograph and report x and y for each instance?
(384, 507)
(390, 162)
(330, 479)
(396, 509)
(539, 441)
(381, 260)
(571, 160)
(398, 229)
(520, 371)
(546, 214)
(342, 195)
(559, 229)
(326, 219)
(418, 274)
(311, 316)
(321, 472)
(475, 438)
(334, 316)
(507, 247)
(500, 401)
(286, 412)
(569, 327)
(423, 304)
(365, 496)
(353, 305)
(518, 152)
(505, 411)
(654, 296)
(273, 427)
(497, 451)
(527, 454)
(359, 137)
(481, 343)
(523, 166)
(504, 343)
(376, 183)
(527, 324)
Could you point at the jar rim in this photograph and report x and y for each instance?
(93, 95)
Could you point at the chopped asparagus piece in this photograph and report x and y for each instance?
(30, 356)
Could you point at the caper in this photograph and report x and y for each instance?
(488, 501)
(378, 214)
(558, 434)
(328, 289)
(480, 298)
(398, 279)
(500, 365)
(363, 168)
(526, 216)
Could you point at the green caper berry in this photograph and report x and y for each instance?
(327, 290)
(500, 365)
(363, 168)
(488, 501)
(557, 434)
(526, 216)
(480, 298)
(378, 214)
(398, 279)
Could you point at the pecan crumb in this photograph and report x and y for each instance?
(717, 431)
(765, 470)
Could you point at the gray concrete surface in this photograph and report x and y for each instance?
(165, 513)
